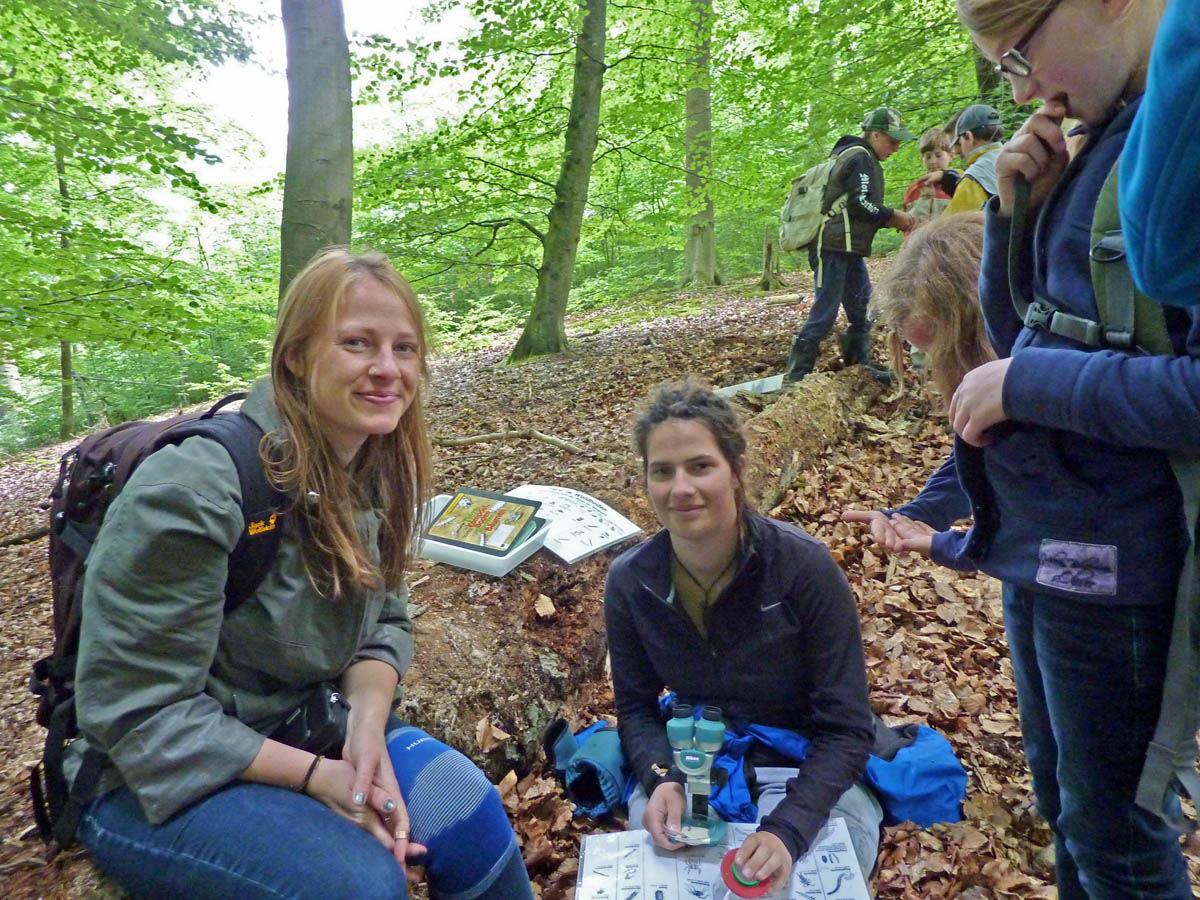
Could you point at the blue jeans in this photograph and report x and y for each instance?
(1089, 682)
(257, 841)
(841, 280)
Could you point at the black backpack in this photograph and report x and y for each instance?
(90, 476)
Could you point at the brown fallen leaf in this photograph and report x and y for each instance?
(507, 788)
(488, 736)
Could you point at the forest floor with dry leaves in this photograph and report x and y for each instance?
(934, 639)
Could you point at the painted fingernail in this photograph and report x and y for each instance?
(360, 797)
(389, 806)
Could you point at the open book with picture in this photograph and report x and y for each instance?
(580, 525)
(485, 522)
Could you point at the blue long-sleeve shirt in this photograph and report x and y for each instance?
(1160, 168)
(1075, 494)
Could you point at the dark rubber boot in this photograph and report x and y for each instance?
(856, 351)
(801, 359)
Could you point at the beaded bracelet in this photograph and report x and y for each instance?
(303, 788)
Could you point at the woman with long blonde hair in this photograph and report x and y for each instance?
(225, 770)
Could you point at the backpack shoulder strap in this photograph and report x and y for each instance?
(836, 200)
(1169, 771)
(263, 504)
(840, 161)
(1127, 320)
(1131, 319)
(1041, 312)
(1137, 322)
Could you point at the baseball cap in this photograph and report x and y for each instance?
(973, 118)
(889, 121)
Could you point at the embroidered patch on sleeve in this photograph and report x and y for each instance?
(1078, 568)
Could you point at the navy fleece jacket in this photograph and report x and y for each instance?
(1075, 494)
(784, 649)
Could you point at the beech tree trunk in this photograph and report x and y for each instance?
(66, 426)
(700, 266)
(986, 76)
(770, 279)
(544, 330)
(318, 180)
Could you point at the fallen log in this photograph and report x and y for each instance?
(808, 418)
(521, 434)
(25, 537)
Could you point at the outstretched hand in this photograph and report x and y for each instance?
(914, 536)
(882, 530)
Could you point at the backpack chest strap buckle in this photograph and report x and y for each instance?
(1045, 316)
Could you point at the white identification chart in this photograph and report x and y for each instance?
(580, 525)
(627, 866)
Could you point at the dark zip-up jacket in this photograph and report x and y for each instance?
(784, 649)
(1075, 495)
(859, 176)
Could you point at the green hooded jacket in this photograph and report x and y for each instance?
(177, 695)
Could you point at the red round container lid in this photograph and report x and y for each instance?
(735, 883)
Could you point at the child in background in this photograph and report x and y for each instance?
(930, 296)
(924, 199)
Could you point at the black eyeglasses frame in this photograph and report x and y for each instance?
(1014, 61)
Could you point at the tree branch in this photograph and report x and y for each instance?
(527, 434)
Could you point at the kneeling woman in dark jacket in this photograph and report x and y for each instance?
(731, 609)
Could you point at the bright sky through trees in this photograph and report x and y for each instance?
(252, 96)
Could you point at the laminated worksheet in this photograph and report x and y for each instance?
(627, 866)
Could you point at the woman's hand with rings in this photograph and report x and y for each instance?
(374, 781)
(381, 812)
(333, 784)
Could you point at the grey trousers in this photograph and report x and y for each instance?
(858, 806)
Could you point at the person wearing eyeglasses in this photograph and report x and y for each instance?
(1160, 169)
(1063, 447)
(978, 135)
